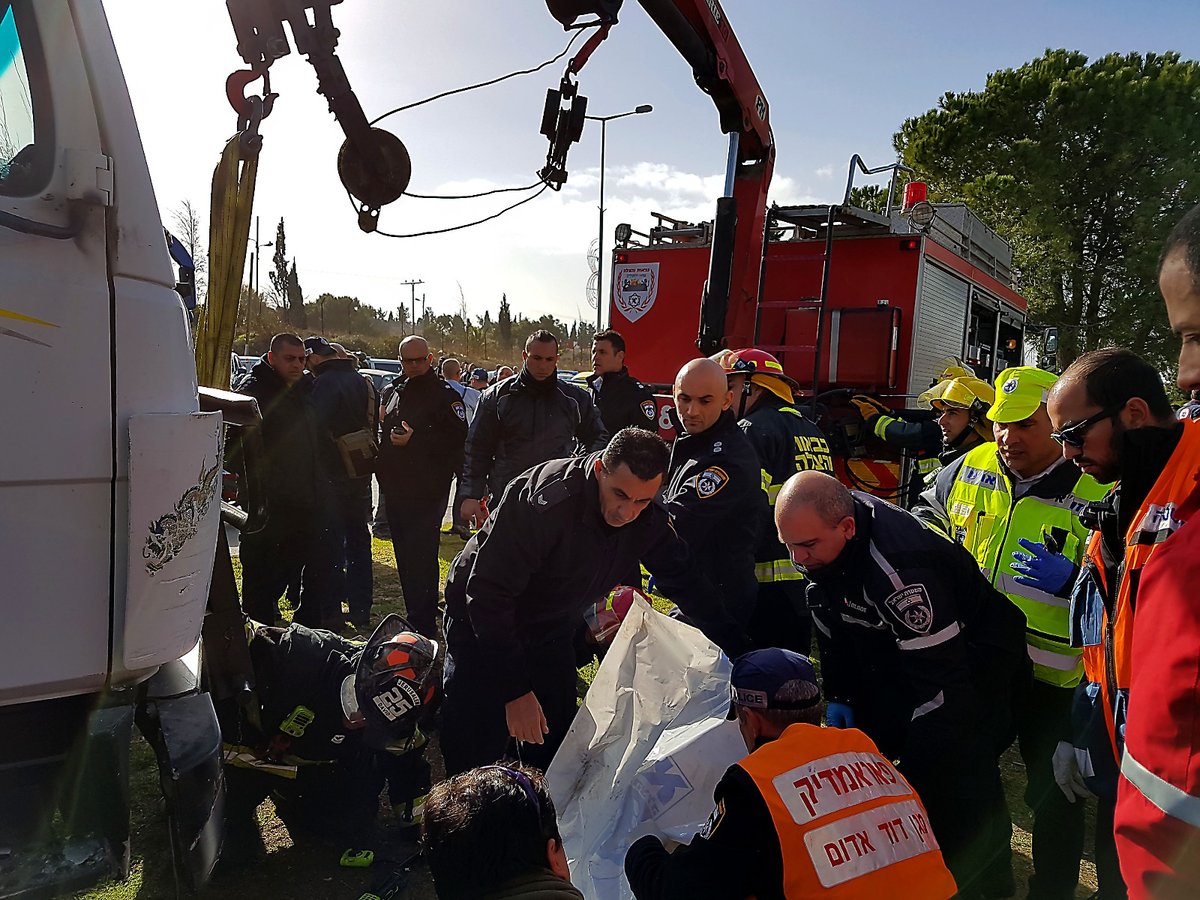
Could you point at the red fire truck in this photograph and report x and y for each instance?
(849, 301)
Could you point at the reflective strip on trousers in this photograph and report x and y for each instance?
(1174, 801)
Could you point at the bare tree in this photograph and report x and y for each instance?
(189, 231)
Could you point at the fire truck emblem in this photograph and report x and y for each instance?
(635, 288)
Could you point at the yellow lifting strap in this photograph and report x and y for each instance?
(229, 232)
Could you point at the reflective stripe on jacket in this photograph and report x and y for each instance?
(786, 443)
(849, 824)
(984, 519)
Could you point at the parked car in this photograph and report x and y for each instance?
(386, 365)
(379, 377)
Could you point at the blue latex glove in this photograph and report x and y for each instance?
(839, 715)
(1040, 568)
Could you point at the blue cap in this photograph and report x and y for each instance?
(758, 676)
(319, 346)
(479, 373)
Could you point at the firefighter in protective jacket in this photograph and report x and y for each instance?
(919, 651)
(786, 443)
(333, 721)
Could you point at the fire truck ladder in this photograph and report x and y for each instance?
(807, 223)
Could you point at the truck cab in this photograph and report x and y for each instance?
(109, 502)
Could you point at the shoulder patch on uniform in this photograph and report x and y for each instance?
(459, 409)
(710, 481)
(911, 605)
(649, 409)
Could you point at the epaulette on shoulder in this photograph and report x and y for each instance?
(555, 492)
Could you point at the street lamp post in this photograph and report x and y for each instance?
(604, 120)
(255, 299)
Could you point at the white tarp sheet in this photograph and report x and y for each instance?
(646, 749)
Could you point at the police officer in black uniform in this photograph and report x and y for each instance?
(332, 723)
(523, 420)
(786, 443)
(424, 428)
(294, 542)
(621, 398)
(714, 487)
(563, 535)
(920, 652)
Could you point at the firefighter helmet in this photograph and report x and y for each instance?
(965, 392)
(952, 367)
(393, 682)
(764, 370)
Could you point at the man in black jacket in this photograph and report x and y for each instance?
(424, 427)
(920, 652)
(563, 536)
(621, 398)
(714, 487)
(295, 538)
(524, 420)
(345, 402)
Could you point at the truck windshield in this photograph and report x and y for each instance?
(16, 108)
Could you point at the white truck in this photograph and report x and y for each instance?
(109, 474)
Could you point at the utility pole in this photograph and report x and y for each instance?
(412, 285)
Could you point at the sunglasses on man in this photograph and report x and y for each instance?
(1075, 435)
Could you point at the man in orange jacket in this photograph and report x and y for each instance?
(810, 812)
(1158, 799)
(1112, 417)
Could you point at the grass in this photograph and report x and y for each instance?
(311, 872)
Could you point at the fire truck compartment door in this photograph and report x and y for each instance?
(862, 347)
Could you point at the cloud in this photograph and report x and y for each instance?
(824, 172)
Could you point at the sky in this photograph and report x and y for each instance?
(840, 79)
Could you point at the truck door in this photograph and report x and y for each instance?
(57, 455)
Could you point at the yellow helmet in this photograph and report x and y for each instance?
(764, 370)
(964, 392)
(952, 367)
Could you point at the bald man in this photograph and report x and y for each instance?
(713, 489)
(424, 430)
(920, 652)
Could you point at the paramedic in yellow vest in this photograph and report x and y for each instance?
(811, 812)
(1015, 506)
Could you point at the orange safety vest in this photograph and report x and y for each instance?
(1107, 663)
(849, 825)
